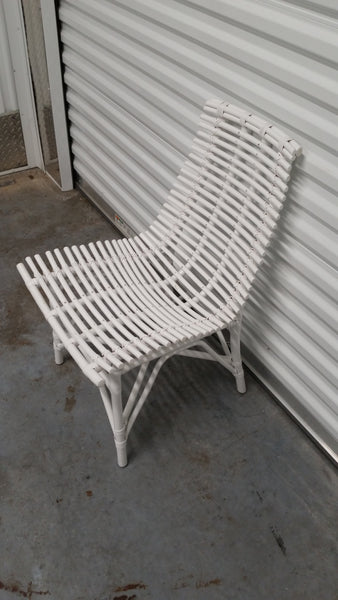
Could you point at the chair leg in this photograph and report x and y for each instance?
(58, 349)
(236, 359)
(112, 398)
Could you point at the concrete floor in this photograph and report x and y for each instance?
(224, 497)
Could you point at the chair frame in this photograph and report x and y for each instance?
(121, 418)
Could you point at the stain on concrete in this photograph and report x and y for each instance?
(16, 325)
(278, 539)
(207, 496)
(205, 584)
(6, 182)
(199, 457)
(181, 585)
(16, 588)
(236, 467)
(260, 496)
(198, 585)
(131, 586)
(89, 493)
(205, 492)
(125, 597)
(70, 400)
(5, 483)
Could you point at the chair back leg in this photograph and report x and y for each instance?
(236, 358)
(59, 352)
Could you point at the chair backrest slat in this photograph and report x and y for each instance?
(223, 208)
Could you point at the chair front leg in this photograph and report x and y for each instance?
(112, 399)
(236, 359)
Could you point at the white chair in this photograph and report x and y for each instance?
(118, 305)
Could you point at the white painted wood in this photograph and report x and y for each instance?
(13, 19)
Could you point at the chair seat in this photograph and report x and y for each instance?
(108, 302)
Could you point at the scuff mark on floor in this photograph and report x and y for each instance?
(70, 400)
(205, 584)
(278, 539)
(131, 586)
(198, 585)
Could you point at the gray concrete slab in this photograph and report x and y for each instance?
(224, 498)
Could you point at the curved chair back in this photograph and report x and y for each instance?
(223, 208)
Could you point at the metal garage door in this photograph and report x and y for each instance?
(137, 75)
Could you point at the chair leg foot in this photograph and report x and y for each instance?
(240, 382)
(58, 350)
(120, 438)
(121, 450)
(111, 396)
(235, 345)
(58, 356)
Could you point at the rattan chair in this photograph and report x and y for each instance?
(118, 305)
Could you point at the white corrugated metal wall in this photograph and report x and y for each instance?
(137, 75)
